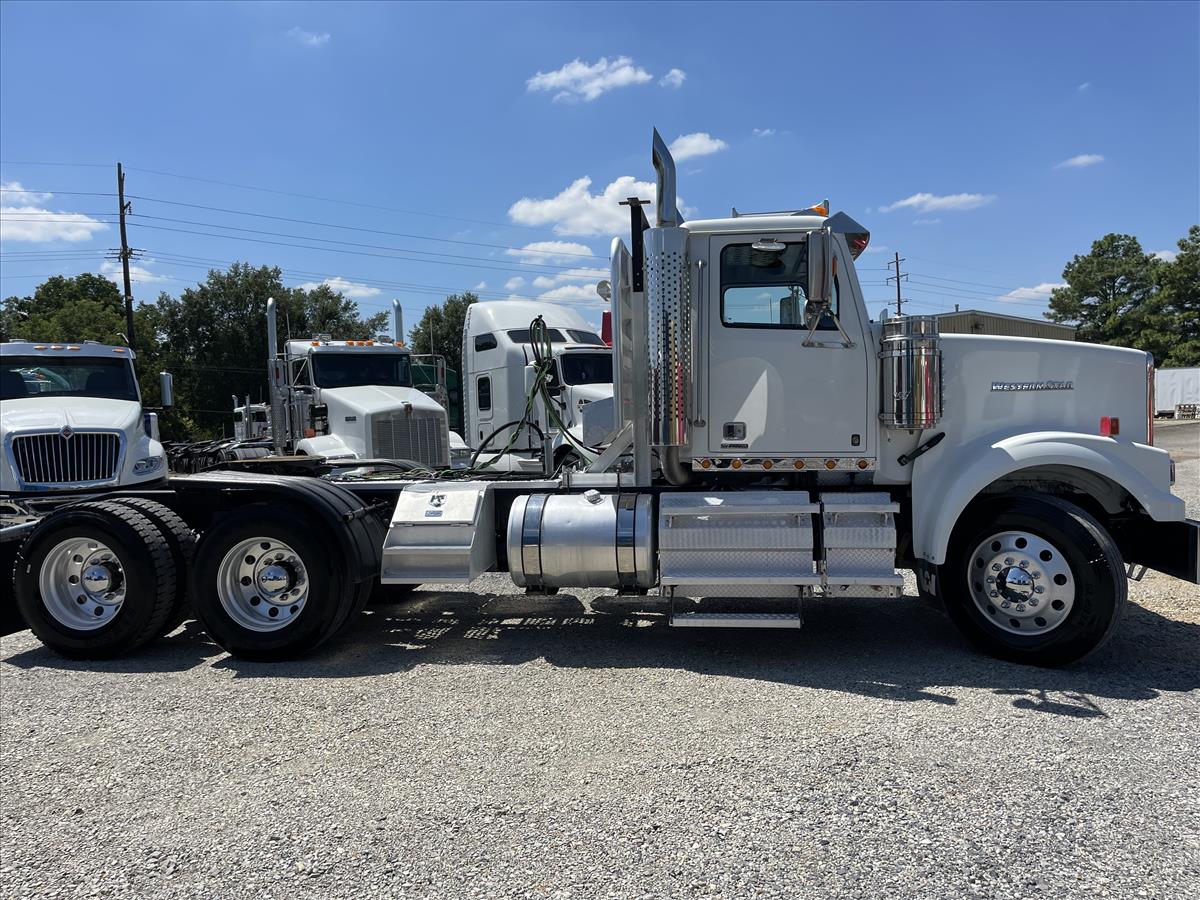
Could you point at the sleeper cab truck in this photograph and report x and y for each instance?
(769, 443)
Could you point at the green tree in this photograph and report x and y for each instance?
(214, 336)
(441, 329)
(1107, 294)
(1180, 298)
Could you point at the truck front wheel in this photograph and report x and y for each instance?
(265, 587)
(1034, 580)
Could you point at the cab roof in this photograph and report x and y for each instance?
(52, 349)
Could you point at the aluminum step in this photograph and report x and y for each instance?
(736, 620)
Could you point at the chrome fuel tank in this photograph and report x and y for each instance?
(582, 540)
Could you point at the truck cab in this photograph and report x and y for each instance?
(355, 399)
(71, 419)
(497, 350)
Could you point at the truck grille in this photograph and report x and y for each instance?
(51, 459)
(419, 438)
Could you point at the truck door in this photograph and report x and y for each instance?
(768, 393)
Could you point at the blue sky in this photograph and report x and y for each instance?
(988, 143)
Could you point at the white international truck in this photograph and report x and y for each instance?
(499, 356)
(771, 443)
(72, 421)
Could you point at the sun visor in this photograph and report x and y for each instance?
(857, 237)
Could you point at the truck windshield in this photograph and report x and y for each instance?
(586, 368)
(337, 370)
(80, 376)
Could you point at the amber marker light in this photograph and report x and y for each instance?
(736, 464)
(799, 464)
(830, 463)
(767, 464)
(862, 463)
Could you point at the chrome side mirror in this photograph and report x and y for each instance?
(820, 268)
(166, 387)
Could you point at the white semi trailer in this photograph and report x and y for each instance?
(782, 445)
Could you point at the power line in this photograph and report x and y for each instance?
(515, 271)
(419, 237)
(543, 268)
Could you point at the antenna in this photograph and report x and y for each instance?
(897, 278)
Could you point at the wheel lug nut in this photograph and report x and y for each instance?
(1024, 564)
(1033, 601)
(995, 567)
(1035, 575)
(1020, 607)
(1008, 560)
(993, 593)
(1039, 590)
(1005, 605)
(991, 579)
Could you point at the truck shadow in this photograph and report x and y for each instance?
(888, 649)
(895, 650)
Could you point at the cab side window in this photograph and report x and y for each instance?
(484, 389)
(766, 289)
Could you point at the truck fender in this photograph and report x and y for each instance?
(330, 446)
(939, 496)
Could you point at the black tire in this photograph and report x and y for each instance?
(330, 597)
(1097, 578)
(182, 542)
(148, 574)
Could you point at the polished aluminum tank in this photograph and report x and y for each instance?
(668, 335)
(910, 366)
(582, 540)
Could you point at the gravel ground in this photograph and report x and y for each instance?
(487, 745)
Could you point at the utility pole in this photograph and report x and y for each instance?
(125, 254)
(897, 278)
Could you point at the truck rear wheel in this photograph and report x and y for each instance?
(1034, 580)
(181, 542)
(264, 586)
(96, 580)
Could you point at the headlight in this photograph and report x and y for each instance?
(147, 465)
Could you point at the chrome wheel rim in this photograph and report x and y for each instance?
(82, 583)
(1021, 583)
(262, 584)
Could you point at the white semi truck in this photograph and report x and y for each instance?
(338, 400)
(72, 421)
(499, 353)
(781, 445)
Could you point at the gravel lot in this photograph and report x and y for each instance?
(487, 745)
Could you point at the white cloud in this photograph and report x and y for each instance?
(1084, 87)
(764, 132)
(309, 38)
(1165, 255)
(586, 292)
(15, 188)
(539, 253)
(482, 286)
(928, 203)
(1040, 293)
(576, 210)
(515, 283)
(927, 221)
(345, 287)
(37, 224)
(700, 143)
(577, 80)
(568, 276)
(1082, 161)
(137, 274)
(673, 79)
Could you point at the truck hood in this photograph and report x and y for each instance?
(591, 392)
(80, 413)
(372, 399)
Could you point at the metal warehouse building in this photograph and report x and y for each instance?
(974, 321)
